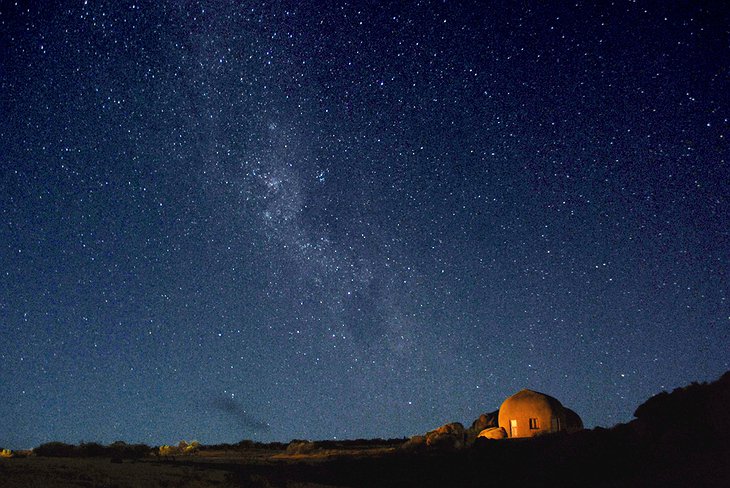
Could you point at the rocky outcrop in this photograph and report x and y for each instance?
(484, 421)
(453, 435)
(415, 443)
(486, 426)
(702, 408)
(450, 436)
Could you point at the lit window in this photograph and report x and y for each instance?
(534, 424)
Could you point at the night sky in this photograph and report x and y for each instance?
(225, 220)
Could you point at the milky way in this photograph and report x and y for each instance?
(228, 220)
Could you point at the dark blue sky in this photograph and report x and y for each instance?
(227, 220)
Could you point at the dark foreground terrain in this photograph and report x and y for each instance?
(677, 439)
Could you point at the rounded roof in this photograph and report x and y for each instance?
(549, 413)
(573, 422)
(534, 398)
(530, 404)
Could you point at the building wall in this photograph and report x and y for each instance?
(528, 407)
(573, 422)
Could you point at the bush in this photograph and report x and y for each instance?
(119, 449)
(168, 451)
(56, 449)
(183, 447)
(122, 450)
(91, 449)
(192, 448)
(131, 451)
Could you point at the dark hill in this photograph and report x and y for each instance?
(695, 412)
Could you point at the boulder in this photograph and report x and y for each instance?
(454, 428)
(448, 436)
(484, 421)
(493, 433)
(416, 442)
(301, 447)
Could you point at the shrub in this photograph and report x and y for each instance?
(122, 450)
(191, 448)
(183, 447)
(118, 449)
(168, 450)
(135, 451)
(56, 449)
(91, 449)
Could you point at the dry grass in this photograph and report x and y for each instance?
(325, 454)
(210, 468)
(91, 473)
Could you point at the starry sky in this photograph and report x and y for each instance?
(271, 220)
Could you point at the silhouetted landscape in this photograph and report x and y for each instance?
(680, 438)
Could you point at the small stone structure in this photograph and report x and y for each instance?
(529, 413)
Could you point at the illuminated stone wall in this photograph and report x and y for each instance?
(529, 413)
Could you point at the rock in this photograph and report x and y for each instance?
(484, 421)
(448, 436)
(493, 433)
(454, 428)
(416, 442)
(301, 447)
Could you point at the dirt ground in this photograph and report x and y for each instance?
(43, 472)
(255, 468)
(367, 468)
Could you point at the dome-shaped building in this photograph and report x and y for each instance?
(573, 422)
(529, 413)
